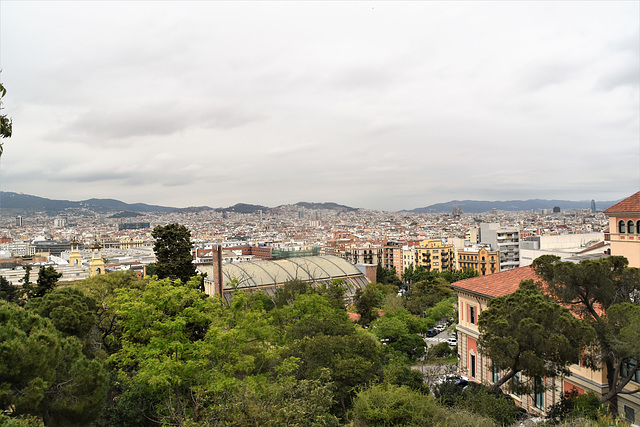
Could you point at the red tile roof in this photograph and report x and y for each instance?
(498, 284)
(630, 204)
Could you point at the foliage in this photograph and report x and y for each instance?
(418, 274)
(399, 332)
(369, 300)
(47, 281)
(387, 276)
(102, 289)
(574, 405)
(441, 350)
(289, 291)
(45, 374)
(427, 293)
(173, 252)
(605, 292)
(71, 312)
(403, 375)
(391, 405)
(6, 124)
(489, 403)
(21, 421)
(8, 292)
(526, 331)
(311, 315)
(353, 361)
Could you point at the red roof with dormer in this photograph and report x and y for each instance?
(497, 284)
(630, 204)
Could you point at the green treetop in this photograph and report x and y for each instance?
(173, 252)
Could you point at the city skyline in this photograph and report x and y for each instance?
(385, 106)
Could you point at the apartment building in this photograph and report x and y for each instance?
(434, 255)
(480, 259)
(505, 240)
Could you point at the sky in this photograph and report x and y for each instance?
(377, 105)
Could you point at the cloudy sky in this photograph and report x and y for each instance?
(371, 104)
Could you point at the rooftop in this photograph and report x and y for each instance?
(630, 204)
(497, 284)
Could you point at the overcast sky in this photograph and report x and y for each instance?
(370, 104)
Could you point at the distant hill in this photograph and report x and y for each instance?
(326, 205)
(243, 208)
(479, 206)
(25, 204)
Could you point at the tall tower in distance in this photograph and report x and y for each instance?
(593, 206)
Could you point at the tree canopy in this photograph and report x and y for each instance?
(528, 332)
(605, 292)
(173, 252)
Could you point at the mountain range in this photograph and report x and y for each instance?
(479, 206)
(24, 204)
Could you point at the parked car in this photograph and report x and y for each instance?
(452, 341)
(458, 379)
(432, 333)
(440, 328)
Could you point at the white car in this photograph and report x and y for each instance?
(440, 328)
(451, 377)
(453, 341)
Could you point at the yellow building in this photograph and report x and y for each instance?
(96, 264)
(75, 258)
(479, 259)
(624, 229)
(434, 255)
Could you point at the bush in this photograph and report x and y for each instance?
(574, 405)
(441, 350)
(486, 401)
(390, 405)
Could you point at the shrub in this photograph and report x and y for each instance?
(574, 405)
(485, 401)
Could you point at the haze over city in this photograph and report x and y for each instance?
(376, 105)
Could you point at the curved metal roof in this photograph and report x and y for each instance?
(251, 274)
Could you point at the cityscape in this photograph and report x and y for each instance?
(432, 214)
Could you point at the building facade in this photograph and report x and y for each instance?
(624, 229)
(434, 255)
(482, 260)
(473, 297)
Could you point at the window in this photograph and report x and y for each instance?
(473, 365)
(621, 227)
(638, 227)
(631, 227)
(495, 373)
(629, 415)
(538, 389)
(628, 366)
(515, 382)
(472, 315)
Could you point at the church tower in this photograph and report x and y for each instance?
(96, 265)
(75, 258)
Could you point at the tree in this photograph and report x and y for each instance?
(45, 374)
(427, 293)
(47, 281)
(5, 122)
(8, 292)
(387, 276)
(173, 252)
(369, 300)
(606, 292)
(528, 332)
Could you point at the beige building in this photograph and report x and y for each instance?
(624, 229)
(479, 259)
(473, 296)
